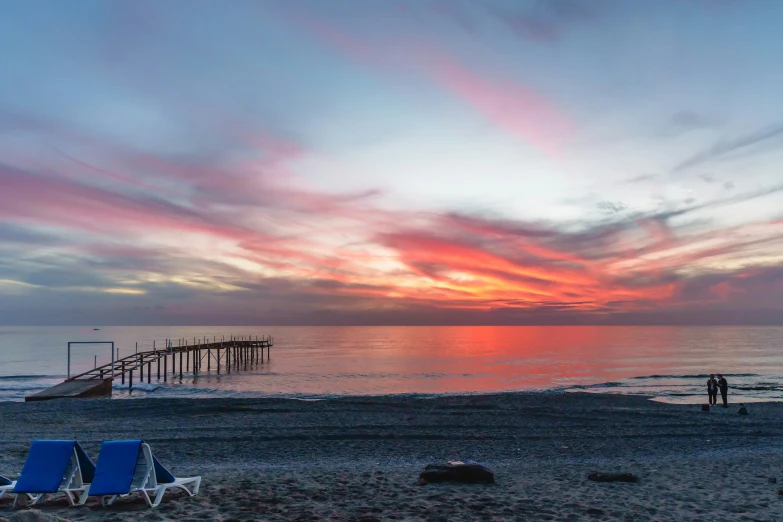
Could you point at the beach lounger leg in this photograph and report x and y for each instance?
(77, 496)
(26, 496)
(182, 484)
(35, 499)
(195, 482)
(84, 495)
(158, 497)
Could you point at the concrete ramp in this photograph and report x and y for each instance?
(74, 389)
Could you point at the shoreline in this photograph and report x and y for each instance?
(359, 457)
(681, 400)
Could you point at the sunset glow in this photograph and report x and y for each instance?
(384, 163)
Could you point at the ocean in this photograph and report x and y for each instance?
(661, 362)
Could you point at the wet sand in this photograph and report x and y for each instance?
(359, 459)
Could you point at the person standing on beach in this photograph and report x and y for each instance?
(712, 389)
(724, 390)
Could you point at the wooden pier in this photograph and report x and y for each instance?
(170, 361)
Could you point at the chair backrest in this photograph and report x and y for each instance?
(49, 464)
(149, 471)
(117, 467)
(72, 476)
(145, 478)
(80, 470)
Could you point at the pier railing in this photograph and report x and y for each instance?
(235, 353)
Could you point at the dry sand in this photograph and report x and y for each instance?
(359, 459)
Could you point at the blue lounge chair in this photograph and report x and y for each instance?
(128, 466)
(54, 466)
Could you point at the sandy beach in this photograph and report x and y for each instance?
(359, 459)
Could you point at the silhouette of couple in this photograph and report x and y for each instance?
(713, 385)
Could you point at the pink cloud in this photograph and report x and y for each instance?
(723, 289)
(509, 105)
(54, 201)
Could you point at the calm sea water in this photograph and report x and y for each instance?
(668, 363)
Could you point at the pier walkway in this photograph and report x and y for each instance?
(237, 353)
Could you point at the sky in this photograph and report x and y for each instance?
(391, 162)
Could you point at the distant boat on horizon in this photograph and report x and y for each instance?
(96, 328)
